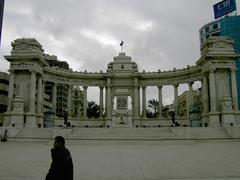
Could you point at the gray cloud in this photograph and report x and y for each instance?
(157, 34)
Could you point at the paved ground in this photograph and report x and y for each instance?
(126, 160)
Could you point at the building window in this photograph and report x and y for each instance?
(207, 29)
(3, 81)
(216, 34)
(215, 26)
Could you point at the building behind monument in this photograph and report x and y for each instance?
(226, 25)
(4, 82)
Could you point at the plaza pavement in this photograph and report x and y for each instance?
(126, 160)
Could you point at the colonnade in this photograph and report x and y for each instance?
(109, 99)
(37, 85)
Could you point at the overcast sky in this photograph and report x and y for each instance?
(157, 34)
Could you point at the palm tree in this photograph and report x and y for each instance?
(153, 105)
(93, 110)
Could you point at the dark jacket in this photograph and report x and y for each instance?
(62, 165)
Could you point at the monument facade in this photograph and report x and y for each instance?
(121, 83)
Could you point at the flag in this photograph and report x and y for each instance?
(121, 44)
(1, 17)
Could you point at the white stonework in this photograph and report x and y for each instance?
(122, 80)
(16, 116)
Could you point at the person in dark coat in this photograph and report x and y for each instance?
(65, 116)
(62, 165)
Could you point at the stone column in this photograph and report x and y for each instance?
(205, 103)
(40, 96)
(54, 96)
(144, 101)
(234, 89)
(136, 98)
(190, 98)
(43, 94)
(69, 101)
(109, 99)
(176, 99)
(32, 107)
(101, 101)
(10, 91)
(212, 85)
(160, 101)
(85, 103)
(105, 105)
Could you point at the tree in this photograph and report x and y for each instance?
(149, 114)
(93, 110)
(153, 105)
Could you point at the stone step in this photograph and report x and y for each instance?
(216, 132)
(35, 133)
(125, 133)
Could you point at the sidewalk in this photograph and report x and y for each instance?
(126, 160)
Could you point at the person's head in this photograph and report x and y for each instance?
(59, 142)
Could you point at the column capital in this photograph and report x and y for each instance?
(190, 83)
(11, 71)
(101, 87)
(143, 87)
(70, 85)
(233, 69)
(175, 85)
(32, 71)
(160, 86)
(212, 69)
(85, 87)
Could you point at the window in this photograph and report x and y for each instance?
(207, 29)
(215, 26)
(3, 81)
(3, 92)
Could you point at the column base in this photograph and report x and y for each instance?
(31, 120)
(204, 119)
(214, 119)
(14, 119)
(228, 119)
(39, 121)
(136, 123)
(108, 122)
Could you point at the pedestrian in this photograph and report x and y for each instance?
(172, 114)
(65, 116)
(62, 166)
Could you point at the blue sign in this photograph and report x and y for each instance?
(224, 7)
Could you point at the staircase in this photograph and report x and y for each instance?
(162, 133)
